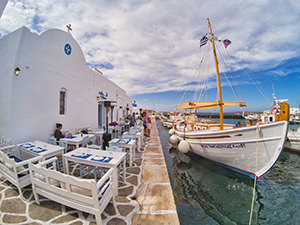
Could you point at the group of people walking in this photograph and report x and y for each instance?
(146, 122)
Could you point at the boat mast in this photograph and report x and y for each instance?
(218, 76)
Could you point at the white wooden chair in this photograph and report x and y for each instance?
(82, 194)
(14, 166)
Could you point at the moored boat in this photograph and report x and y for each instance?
(251, 150)
(293, 140)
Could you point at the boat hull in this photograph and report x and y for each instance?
(293, 141)
(292, 146)
(251, 150)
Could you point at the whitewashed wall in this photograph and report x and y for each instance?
(30, 101)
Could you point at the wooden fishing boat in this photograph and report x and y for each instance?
(251, 149)
(293, 140)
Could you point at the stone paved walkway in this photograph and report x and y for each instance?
(155, 195)
(146, 192)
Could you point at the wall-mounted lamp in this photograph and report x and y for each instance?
(17, 71)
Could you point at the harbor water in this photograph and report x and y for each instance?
(207, 193)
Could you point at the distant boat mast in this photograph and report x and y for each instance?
(212, 39)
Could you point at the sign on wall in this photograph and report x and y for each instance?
(68, 49)
(102, 96)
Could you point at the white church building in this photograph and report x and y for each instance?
(44, 80)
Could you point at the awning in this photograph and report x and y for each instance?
(207, 105)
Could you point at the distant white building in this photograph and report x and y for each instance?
(135, 109)
(44, 80)
(295, 111)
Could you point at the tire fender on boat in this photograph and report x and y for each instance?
(173, 139)
(171, 131)
(184, 146)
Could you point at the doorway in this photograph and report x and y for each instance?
(100, 116)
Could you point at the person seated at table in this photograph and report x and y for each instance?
(132, 120)
(58, 134)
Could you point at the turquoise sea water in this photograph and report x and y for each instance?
(210, 194)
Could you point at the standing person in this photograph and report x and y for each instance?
(58, 134)
(145, 124)
(148, 118)
(132, 120)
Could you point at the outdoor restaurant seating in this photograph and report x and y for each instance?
(94, 143)
(64, 143)
(133, 134)
(52, 140)
(82, 194)
(116, 149)
(121, 144)
(14, 166)
(85, 141)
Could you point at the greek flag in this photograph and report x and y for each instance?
(203, 41)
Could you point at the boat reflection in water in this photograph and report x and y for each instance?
(209, 193)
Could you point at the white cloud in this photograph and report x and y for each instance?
(153, 45)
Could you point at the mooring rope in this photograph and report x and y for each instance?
(254, 186)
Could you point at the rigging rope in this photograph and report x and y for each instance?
(256, 163)
(205, 76)
(201, 83)
(257, 85)
(230, 83)
(193, 78)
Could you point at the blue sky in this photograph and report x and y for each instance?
(151, 48)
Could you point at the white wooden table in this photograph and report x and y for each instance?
(139, 128)
(97, 158)
(41, 149)
(138, 137)
(77, 139)
(98, 132)
(128, 144)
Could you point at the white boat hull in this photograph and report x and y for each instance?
(293, 141)
(251, 150)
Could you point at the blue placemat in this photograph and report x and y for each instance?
(81, 155)
(122, 141)
(26, 145)
(102, 159)
(37, 149)
(108, 159)
(18, 160)
(15, 158)
(71, 137)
